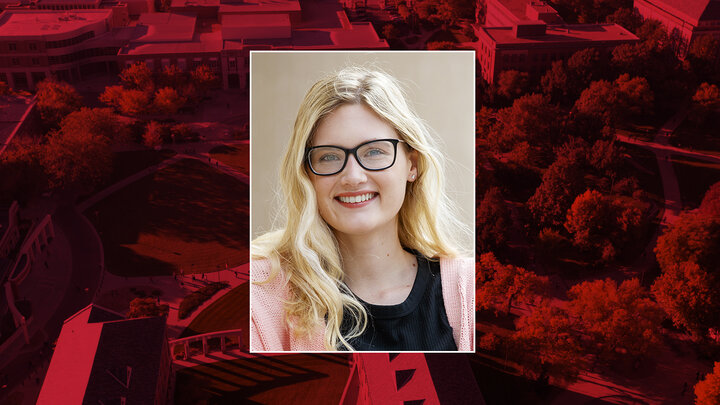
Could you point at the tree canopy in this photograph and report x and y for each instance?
(55, 100)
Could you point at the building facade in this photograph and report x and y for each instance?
(533, 46)
(35, 44)
(506, 13)
(684, 20)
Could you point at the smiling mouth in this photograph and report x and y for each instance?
(356, 199)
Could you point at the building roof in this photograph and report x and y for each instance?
(168, 33)
(94, 351)
(165, 27)
(257, 6)
(199, 43)
(22, 23)
(567, 33)
(76, 2)
(518, 8)
(127, 361)
(690, 10)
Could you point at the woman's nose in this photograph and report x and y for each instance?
(353, 173)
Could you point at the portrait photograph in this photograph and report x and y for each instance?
(362, 201)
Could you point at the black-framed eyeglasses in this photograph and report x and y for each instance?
(376, 155)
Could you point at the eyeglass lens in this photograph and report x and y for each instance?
(375, 155)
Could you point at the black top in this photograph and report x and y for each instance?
(419, 323)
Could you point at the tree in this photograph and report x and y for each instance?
(145, 307)
(634, 96)
(440, 46)
(134, 102)
(689, 286)
(112, 96)
(183, 133)
(707, 390)
(706, 101)
(203, 78)
(599, 100)
(693, 238)
(76, 159)
(583, 67)
(155, 134)
(627, 18)
(616, 317)
(555, 82)
(168, 101)
(171, 76)
(55, 100)
(138, 77)
(653, 36)
(504, 283)
(690, 296)
(634, 59)
(605, 157)
(389, 31)
(512, 83)
(21, 173)
(492, 221)
(561, 183)
(589, 220)
(99, 121)
(704, 57)
(605, 224)
(531, 118)
(548, 345)
(710, 205)
(484, 121)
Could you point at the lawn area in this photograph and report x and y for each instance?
(288, 379)
(229, 312)
(698, 139)
(127, 163)
(694, 177)
(186, 217)
(236, 156)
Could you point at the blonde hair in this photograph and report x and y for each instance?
(306, 249)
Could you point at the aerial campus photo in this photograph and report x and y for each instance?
(124, 202)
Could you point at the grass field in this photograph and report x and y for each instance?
(187, 217)
(699, 139)
(290, 379)
(236, 156)
(229, 312)
(694, 177)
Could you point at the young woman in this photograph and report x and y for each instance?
(367, 258)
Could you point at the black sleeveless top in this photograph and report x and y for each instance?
(418, 324)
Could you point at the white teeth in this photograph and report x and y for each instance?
(357, 199)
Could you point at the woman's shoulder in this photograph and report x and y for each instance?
(458, 272)
(462, 266)
(261, 272)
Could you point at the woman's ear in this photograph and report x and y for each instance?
(412, 158)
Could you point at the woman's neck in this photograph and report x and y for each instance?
(377, 268)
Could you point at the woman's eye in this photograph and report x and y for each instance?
(329, 157)
(375, 152)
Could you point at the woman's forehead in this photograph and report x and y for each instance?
(350, 125)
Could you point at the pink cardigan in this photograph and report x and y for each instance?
(269, 331)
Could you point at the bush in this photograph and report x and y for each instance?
(183, 133)
(489, 342)
(196, 298)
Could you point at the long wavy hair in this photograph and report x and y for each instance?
(306, 250)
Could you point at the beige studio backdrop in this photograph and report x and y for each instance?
(440, 86)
